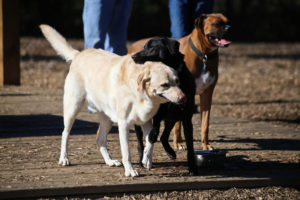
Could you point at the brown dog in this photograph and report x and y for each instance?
(200, 49)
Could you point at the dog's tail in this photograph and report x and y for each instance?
(58, 42)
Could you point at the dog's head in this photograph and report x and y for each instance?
(213, 27)
(160, 83)
(161, 49)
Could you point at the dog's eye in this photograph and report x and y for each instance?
(165, 85)
(216, 25)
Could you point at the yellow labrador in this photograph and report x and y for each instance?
(118, 89)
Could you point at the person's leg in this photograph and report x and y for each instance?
(96, 17)
(180, 17)
(117, 32)
(203, 7)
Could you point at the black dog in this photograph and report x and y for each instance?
(167, 51)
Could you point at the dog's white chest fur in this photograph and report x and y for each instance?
(203, 82)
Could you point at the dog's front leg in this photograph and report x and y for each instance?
(205, 106)
(188, 134)
(147, 158)
(123, 134)
(154, 132)
(139, 135)
(177, 141)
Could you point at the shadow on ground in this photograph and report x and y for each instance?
(263, 143)
(42, 125)
(235, 166)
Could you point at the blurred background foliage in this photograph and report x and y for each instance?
(251, 20)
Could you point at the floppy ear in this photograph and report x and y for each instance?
(222, 17)
(149, 44)
(199, 20)
(149, 54)
(173, 47)
(143, 78)
(177, 57)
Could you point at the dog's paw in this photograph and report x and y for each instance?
(207, 147)
(141, 165)
(131, 173)
(210, 148)
(181, 147)
(112, 163)
(64, 161)
(193, 173)
(193, 170)
(147, 158)
(147, 162)
(171, 154)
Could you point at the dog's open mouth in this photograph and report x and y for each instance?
(162, 96)
(177, 103)
(218, 41)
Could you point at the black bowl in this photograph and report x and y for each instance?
(210, 159)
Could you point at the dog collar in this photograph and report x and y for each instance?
(199, 53)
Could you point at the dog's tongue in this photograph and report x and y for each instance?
(222, 42)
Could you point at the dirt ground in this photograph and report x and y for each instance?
(259, 82)
(267, 193)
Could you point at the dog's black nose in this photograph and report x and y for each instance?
(227, 27)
